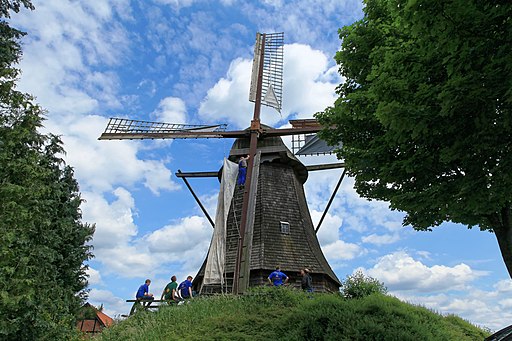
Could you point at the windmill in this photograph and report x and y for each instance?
(266, 222)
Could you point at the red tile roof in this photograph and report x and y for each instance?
(94, 325)
(105, 319)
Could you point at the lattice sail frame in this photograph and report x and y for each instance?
(123, 126)
(272, 80)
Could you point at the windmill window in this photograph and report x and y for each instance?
(285, 227)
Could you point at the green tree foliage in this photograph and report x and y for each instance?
(358, 285)
(13, 5)
(425, 112)
(42, 244)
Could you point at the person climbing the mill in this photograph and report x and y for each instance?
(242, 170)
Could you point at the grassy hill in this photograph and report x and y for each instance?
(285, 314)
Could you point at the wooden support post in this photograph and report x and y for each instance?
(245, 262)
(255, 132)
(197, 200)
(330, 200)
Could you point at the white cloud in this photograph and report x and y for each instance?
(121, 251)
(171, 110)
(176, 3)
(308, 87)
(504, 286)
(341, 250)
(424, 255)
(94, 276)
(482, 308)
(305, 20)
(175, 240)
(399, 271)
(85, 34)
(445, 289)
(506, 303)
(101, 165)
(357, 214)
(381, 239)
(328, 232)
(114, 221)
(229, 98)
(112, 305)
(157, 176)
(128, 261)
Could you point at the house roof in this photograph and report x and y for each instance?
(104, 318)
(90, 325)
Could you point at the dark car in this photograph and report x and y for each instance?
(503, 335)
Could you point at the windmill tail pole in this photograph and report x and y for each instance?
(330, 200)
(197, 200)
(253, 144)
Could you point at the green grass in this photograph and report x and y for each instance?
(278, 313)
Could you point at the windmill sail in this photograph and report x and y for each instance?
(122, 128)
(270, 99)
(255, 68)
(269, 47)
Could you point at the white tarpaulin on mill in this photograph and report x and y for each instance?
(214, 271)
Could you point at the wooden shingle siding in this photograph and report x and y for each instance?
(280, 198)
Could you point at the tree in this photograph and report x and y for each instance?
(425, 113)
(43, 241)
(358, 285)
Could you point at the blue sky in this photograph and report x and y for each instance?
(189, 61)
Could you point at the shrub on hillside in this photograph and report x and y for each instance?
(359, 285)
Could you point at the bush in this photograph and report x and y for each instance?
(359, 285)
(283, 314)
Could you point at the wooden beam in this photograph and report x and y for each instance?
(255, 131)
(307, 122)
(264, 150)
(208, 134)
(330, 200)
(311, 168)
(174, 135)
(198, 201)
(197, 174)
(245, 264)
(291, 131)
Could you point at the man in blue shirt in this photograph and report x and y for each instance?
(185, 288)
(277, 278)
(143, 292)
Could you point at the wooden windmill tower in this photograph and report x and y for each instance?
(266, 222)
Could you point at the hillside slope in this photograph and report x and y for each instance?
(275, 313)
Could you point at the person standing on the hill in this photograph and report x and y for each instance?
(242, 170)
(170, 292)
(306, 282)
(277, 278)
